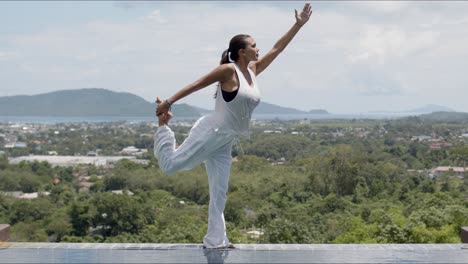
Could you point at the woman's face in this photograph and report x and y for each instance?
(251, 52)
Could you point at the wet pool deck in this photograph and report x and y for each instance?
(243, 253)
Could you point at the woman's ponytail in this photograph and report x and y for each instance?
(232, 53)
(224, 60)
(224, 57)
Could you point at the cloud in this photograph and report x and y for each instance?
(156, 17)
(377, 44)
(360, 50)
(7, 56)
(373, 81)
(382, 6)
(134, 4)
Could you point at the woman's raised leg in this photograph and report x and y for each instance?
(193, 151)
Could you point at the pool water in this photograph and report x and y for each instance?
(244, 253)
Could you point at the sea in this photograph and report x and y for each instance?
(136, 119)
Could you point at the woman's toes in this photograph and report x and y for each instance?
(158, 100)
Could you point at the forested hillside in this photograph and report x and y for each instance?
(359, 181)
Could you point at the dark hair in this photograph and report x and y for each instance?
(237, 42)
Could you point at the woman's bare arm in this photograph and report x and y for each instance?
(219, 74)
(281, 44)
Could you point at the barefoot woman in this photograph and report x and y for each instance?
(211, 137)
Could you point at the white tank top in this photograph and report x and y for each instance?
(233, 117)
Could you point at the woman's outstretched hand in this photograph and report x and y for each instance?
(304, 16)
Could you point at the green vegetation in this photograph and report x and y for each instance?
(331, 181)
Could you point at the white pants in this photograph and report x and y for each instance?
(203, 144)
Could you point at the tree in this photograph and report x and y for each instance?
(116, 182)
(3, 162)
(80, 213)
(460, 157)
(117, 214)
(343, 170)
(361, 191)
(285, 231)
(28, 232)
(30, 211)
(58, 226)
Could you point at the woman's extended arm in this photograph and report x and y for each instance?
(281, 44)
(220, 73)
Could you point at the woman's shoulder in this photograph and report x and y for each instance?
(227, 68)
(226, 71)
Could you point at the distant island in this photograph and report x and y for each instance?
(267, 108)
(319, 112)
(102, 102)
(431, 108)
(421, 110)
(445, 116)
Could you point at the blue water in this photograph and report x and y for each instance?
(245, 253)
(100, 119)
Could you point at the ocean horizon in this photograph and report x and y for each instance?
(101, 119)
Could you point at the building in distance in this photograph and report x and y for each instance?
(67, 161)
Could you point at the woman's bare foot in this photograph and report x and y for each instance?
(165, 118)
(158, 100)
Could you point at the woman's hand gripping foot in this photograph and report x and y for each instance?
(163, 117)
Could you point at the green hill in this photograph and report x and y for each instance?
(445, 116)
(85, 102)
(103, 102)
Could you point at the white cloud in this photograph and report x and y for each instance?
(385, 7)
(156, 17)
(7, 56)
(371, 80)
(377, 44)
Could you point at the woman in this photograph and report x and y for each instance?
(211, 138)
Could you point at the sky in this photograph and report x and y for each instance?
(351, 57)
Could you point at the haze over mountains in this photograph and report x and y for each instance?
(83, 102)
(103, 102)
(269, 109)
(430, 108)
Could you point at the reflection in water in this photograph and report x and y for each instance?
(214, 255)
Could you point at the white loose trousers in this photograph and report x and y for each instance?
(203, 144)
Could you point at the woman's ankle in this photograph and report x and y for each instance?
(162, 120)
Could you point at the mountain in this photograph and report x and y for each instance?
(430, 108)
(203, 111)
(267, 108)
(319, 112)
(272, 109)
(445, 116)
(85, 102)
(103, 102)
(427, 109)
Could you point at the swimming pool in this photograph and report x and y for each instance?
(244, 253)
